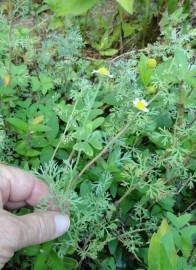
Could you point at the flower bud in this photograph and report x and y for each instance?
(152, 89)
(151, 63)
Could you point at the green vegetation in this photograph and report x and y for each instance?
(101, 104)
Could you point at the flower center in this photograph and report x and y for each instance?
(140, 105)
(103, 71)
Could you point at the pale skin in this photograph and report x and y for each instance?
(17, 189)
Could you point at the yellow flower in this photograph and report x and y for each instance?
(38, 120)
(6, 80)
(151, 63)
(152, 89)
(141, 104)
(103, 71)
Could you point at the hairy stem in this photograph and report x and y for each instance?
(65, 131)
(180, 105)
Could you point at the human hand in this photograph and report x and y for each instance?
(18, 188)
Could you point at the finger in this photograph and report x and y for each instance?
(17, 185)
(15, 205)
(39, 227)
(18, 232)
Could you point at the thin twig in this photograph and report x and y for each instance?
(190, 206)
(105, 150)
(129, 190)
(71, 155)
(11, 20)
(65, 131)
(181, 105)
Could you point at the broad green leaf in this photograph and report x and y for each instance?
(39, 141)
(55, 262)
(164, 263)
(187, 235)
(145, 73)
(163, 120)
(83, 133)
(177, 237)
(168, 242)
(109, 263)
(97, 122)
(73, 7)
(128, 29)
(181, 63)
(39, 128)
(105, 42)
(35, 84)
(84, 147)
(70, 263)
(24, 150)
(85, 188)
(62, 154)
(179, 222)
(64, 111)
(96, 140)
(40, 262)
(46, 154)
(31, 251)
(112, 245)
(127, 5)
(95, 113)
(172, 5)
(35, 163)
(158, 139)
(163, 229)
(53, 124)
(46, 82)
(167, 203)
(165, 72)
(18, 124)
(154, 252)
(186, 246)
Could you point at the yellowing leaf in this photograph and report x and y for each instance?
(163, 229)
(157, 250)
(6, 80)
(38, 120)
(127, 5)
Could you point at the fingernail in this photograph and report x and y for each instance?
(62, 224)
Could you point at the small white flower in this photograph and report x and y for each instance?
(141, 104)
(103, 71)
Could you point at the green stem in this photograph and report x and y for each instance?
(146, 21)
(65, 131)
(121, 30)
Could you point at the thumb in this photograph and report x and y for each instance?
(41, 227)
